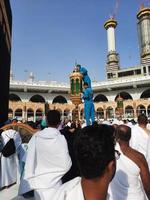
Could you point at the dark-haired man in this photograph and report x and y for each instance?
(89, 110)
(140, 138)
(9, 166)
(95, 154)
(47, 159)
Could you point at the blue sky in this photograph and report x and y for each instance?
(49, 35)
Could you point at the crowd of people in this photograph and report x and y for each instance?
(94, 160)
(106, 160)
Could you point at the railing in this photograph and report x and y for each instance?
(56, 85)
(37, 83)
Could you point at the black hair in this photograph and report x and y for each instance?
(73, 125)
(123, 133)
(94, 149)
(142, 119)
(53, 117)
(85, 84)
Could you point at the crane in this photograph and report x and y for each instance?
(115, 10)
(143, 2)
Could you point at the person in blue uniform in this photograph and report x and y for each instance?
(84, 72)
(89, 111)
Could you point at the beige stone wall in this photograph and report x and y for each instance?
(137, 107)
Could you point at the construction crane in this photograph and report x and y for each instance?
(115, 10)
(143, 3)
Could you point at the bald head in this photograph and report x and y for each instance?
(123, 133)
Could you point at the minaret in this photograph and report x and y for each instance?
(143, 17)
(112, 57)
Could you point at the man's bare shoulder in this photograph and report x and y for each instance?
(138, 157)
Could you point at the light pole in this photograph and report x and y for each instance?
(26, 77)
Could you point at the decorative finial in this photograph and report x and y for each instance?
(142, 5)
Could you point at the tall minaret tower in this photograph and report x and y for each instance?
(112, 57)
(143, 17)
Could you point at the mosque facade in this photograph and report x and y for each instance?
(29, 100)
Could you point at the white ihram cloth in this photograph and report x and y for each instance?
(72, 190)
(140, 140)
(126, 184)
(148, 126)
(9, 166)
(46, 162)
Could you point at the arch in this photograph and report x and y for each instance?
(149, 70)
(100, 113)
(30, 115)
(72, 86)
(59, 99)
(39, 114)
(100, 98)
(124, 95)
(77, 86)
(144, 70)
(18, 114)
(148, 111)
(37, 99)
(141, 110)
(145, 94)
(109, 113)
(14, 97)
(129, 112)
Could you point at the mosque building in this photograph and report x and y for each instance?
(28, 100)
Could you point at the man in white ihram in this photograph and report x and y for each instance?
(95, 155)
(47, 160)
(140, 138)
(9, 166)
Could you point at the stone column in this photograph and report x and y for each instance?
(135, 113)
(146, 111)
(34, 117)
(70, 114)
(105, 114)
(23, 114)
(13, 116)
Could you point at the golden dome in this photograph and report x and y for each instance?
(110, 23)
(143, 11)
